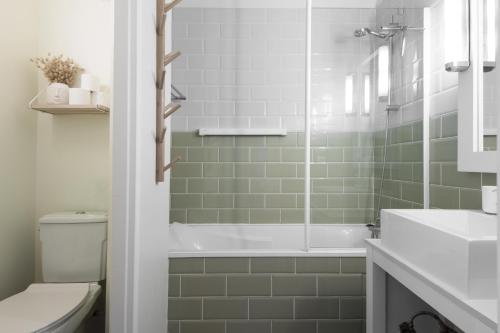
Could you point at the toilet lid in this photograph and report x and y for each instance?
(41, 305)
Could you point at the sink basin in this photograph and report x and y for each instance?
(457, 247)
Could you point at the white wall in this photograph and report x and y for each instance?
(138, 274)
(17, 145)
(72, 170)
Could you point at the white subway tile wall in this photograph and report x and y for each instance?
(245, 67)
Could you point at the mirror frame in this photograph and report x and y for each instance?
(470, 120)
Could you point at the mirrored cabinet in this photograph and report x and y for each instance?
(471, 31)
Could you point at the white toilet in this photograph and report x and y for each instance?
(73, 261)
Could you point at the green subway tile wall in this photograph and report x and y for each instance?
(271, 295)
(260, 180)
(450, 189)
(403, 184)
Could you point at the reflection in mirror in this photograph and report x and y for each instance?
(490, 110)
(490, 80)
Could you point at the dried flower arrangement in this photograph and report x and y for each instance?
(57, 69)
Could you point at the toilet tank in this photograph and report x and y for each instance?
(73, 246)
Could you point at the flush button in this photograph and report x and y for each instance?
(80, 213)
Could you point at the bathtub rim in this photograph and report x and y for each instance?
(315, 252)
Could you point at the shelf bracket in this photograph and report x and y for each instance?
(176, 95)
(172, 164)
(170, 109)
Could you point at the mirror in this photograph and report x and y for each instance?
(491, 102)
(478, 92)
(488, 91)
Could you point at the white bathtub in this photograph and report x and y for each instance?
(266, 240)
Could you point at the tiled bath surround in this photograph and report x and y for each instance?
(260, 180)
(449, 188)
(245, 68)
(278, 295)
(403, 184)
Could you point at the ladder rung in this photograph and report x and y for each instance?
(171, 57)
(170, 109)
(171, 5)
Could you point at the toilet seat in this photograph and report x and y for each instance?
(48, 307)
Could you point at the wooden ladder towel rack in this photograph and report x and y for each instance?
(170, 109)
(162, 111)
(172, 164)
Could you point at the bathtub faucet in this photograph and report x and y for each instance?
(374, 229)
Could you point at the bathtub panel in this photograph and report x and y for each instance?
(314, 294)
(203, 285)
(353, 265)
(227, 265)
(225, 308)
(352, 307)
(187, 265)
(249, 285)
(203, 327)
(249, 326)
(318, 265)
(344, 326)
(340, 285)
(271, 308)
(174, 285)
(294, 285)
(272, 265)
(185, 308)
(317, 307)
(294, 326)
(173, 326)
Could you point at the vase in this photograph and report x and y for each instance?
(57, 93)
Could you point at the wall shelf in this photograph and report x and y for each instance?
(70, 109)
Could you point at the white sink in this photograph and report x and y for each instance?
(457, 247)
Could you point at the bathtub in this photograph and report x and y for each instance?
(254, 278)
(266, 240)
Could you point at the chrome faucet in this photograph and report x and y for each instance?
(374, 229)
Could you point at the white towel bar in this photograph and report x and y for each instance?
(242, 132)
